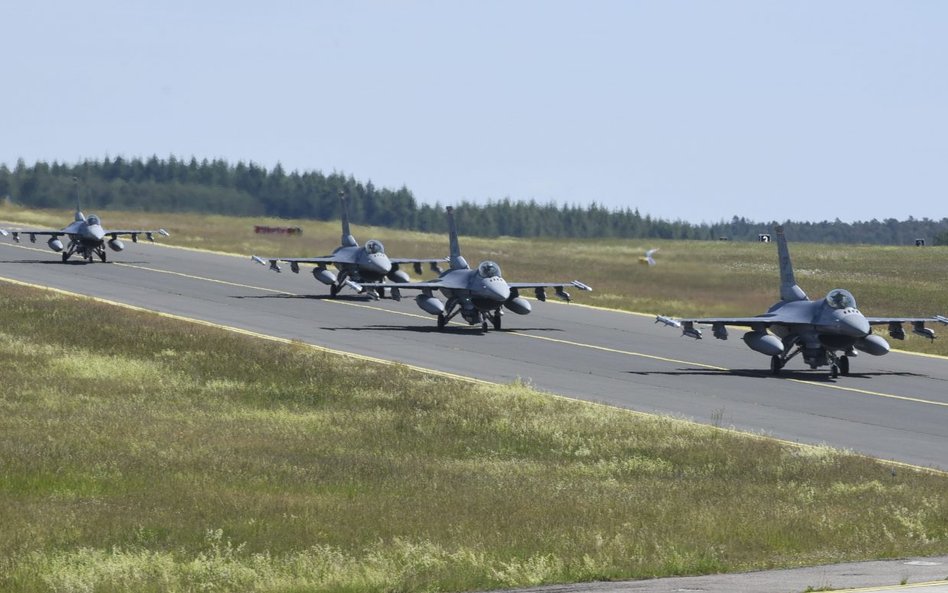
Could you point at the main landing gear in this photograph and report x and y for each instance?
(839, 365)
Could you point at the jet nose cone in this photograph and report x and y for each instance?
(380, 264)
(95, 232)
(854, 324)
(498, 289)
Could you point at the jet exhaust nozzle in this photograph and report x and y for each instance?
(324, 276)
(55, 244)
(429, 304)
(872, 344)
(116, 245)
(518, 305)
(764, 343)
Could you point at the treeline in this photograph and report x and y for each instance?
(247, 189)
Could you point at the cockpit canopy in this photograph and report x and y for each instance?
(488, 269)
(373, 246)
(840, 299)
(93, 219)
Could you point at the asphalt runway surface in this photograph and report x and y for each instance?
(893, 407)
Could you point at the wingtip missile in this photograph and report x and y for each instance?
(272, 263)
(667, 321)
(581, 286)
(941, 319)
(164, 233)
(3, 233)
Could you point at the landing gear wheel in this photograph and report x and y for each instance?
(496, 320)
(834, 371)
(441, 321)
(333, 290)
(775, 365)
(844, 365)
(484, 327)
(380, 292)
(65, 257)
(102, 256)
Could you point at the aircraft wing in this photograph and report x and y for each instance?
(717, 323)
(762, 320)
(885, 320)
(539, 288)
(414, 260)
(295, 262)
(416, 263)
(918, 325)
(150, 234)
(32, 233)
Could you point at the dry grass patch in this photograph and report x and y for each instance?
(234, 464)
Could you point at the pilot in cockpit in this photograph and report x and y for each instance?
(840, 299)
(488, 269)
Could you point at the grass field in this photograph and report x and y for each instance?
(693, 278)
(139, 453)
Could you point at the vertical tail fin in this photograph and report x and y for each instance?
(347, 239)
(79, 215)
(457, 262)
(789, 291)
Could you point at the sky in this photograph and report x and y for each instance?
(695, 111)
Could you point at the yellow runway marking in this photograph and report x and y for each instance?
(894, 587)
(534, 337)
(430, 371)
(723, 369)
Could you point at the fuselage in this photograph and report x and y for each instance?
(362, 264)
(484, 293)
(88, 233)
(820, 328)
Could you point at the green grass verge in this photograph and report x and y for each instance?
(692, 278)
(140, 453)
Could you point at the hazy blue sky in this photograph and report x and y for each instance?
(690, 110)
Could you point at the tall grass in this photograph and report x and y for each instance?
(139, 453)
(692, 278)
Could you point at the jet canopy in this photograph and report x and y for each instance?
(373, 246)
(488, 269)
(840, 299)
(93, 219)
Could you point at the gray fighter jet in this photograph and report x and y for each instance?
(477, 295)
(826, 332)
(356, 264)
(86, 236)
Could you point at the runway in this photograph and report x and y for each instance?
(893, 407)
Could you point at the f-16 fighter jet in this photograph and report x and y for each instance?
(86, 235)
(477, 295)
(829, 331)
(355, 263)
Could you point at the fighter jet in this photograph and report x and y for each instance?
(86, 236)
(826, 332)
(477, 295)
(356, 264)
